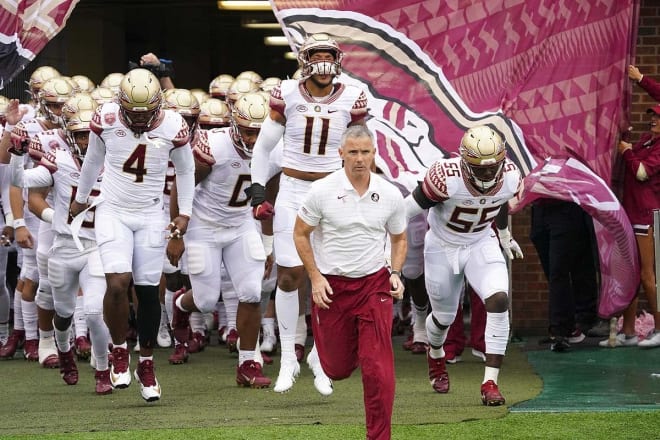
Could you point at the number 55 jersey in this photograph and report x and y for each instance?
(464, 214)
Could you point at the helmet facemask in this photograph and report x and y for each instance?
(320, 43)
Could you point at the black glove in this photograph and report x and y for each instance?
(258, 194)
(162, 70)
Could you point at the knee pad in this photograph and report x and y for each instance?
(44, 298)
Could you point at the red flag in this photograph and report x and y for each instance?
(25, 28)
(550, 76)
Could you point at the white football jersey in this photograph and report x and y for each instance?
(220, 198)
(136, 165)
(59, 169)
(315, 125)
(46, 141)
(464, 215)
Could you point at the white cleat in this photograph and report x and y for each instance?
(149, 386)
(163, 339)
(289, 371)
(322, 382)
(270, 340)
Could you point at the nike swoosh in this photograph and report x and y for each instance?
(332, 111)
(383, 300)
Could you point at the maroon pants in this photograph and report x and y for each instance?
(356, 331)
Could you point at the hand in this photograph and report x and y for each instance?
(14, 113)
(321, 292)
(76, 208)
(24, 238)
(178, 226)
(509, 246)
(634, 73)
(149, 59)
(175, 249)
(397, 286)
(263, 211)
(623, 146)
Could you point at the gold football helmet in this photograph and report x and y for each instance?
(77, 114)
(139, 99)
(52, 96)
(482, 153)
(112, 81)
(102, 95)
(184, 103)
(220, 85)
(247, 115)
(270, 83)
(200, 95)
(39, 77)
(83, 83)
(213, 113)
(251, 75)
(319, 43)
(239, 87)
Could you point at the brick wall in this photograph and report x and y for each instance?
(529, 287)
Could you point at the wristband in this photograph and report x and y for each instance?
(47, 215)
(396, 272)
(268, 243)
(9, 219)
(19, 223)
(9, 127)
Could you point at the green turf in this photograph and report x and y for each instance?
(596, 379)
(203, 394)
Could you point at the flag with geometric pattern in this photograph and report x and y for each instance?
(550, 75)
(26, 26)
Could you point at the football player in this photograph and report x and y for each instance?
(39, 345)
(464, 196)
(133, 140)
(310, 114)
(70, 269)
(222, 232)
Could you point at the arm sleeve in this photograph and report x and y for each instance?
(642, 169)
(91, 168)
(37, 177)
(184, 165)
(651, 86)
(269, 135)
(16, 170)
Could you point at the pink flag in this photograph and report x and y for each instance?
(549, 75)
(26, 26)
(570, 180)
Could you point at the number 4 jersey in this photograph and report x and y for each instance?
(463, 214)
(135, 165)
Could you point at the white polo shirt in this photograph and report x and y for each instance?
(351, 231)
